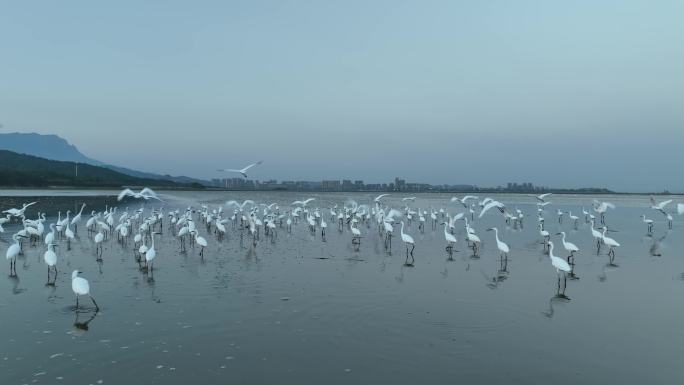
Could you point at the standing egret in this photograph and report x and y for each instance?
(77, 218)
(13, 252)
(80, 287)
(502, 246)
(544, 234)
(561, 265)
(201, 242)
(356, 233)
(648, 222)
(610, 242)
(69, 235)
(408, 240)
(451, 241)
(569, 247)
(597, 236)
(50, 258)
(151, 254)
(99, 237)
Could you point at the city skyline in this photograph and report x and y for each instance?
(398, 185)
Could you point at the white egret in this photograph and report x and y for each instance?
(408, 240)
(303, 203)
(502, 246)
(542, 198)
(242, 171)
(561, 265)
(568, 246)
(77, 218)
(80, 287)
(610, 242)
(99, 237)
(451, 241)
(151, 254)
(659, 206)
(12, 253)
(648, 222)
(145, 194)
(19, 212)
(50, 258)
(490, 204)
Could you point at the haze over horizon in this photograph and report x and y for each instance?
(574, 94)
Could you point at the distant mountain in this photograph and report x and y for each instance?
(54, 147)
(21, 170)
(43, 146)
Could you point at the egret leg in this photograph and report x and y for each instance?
(97, 308)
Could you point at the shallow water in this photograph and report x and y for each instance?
(304, 311)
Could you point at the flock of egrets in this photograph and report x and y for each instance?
(254, 222)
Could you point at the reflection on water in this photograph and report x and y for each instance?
(295, 306)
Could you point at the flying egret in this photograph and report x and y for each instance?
(240, 206)
(80, 287)
(19, 212)
(145, 194)
(464, 200)
(490, 204)
(303, 203)
(659, 206)
(242, 171)
(542, 198)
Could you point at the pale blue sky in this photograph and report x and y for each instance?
(561, 93)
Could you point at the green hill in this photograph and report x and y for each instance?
(19, 170)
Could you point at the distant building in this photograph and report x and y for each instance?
(399, 184)
(331, 185)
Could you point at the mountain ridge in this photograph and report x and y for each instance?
(54, 147)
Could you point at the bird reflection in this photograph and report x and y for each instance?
(654, 250)
(15, 285)
(607, 267)
(84, 318)
(555, 300)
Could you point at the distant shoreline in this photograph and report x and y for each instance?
(4, 190)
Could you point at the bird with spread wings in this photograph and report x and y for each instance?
(242, 171)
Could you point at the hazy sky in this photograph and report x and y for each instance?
(560, 93)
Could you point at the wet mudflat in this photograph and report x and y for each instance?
(297, 308)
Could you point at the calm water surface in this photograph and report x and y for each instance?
(304, 311)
